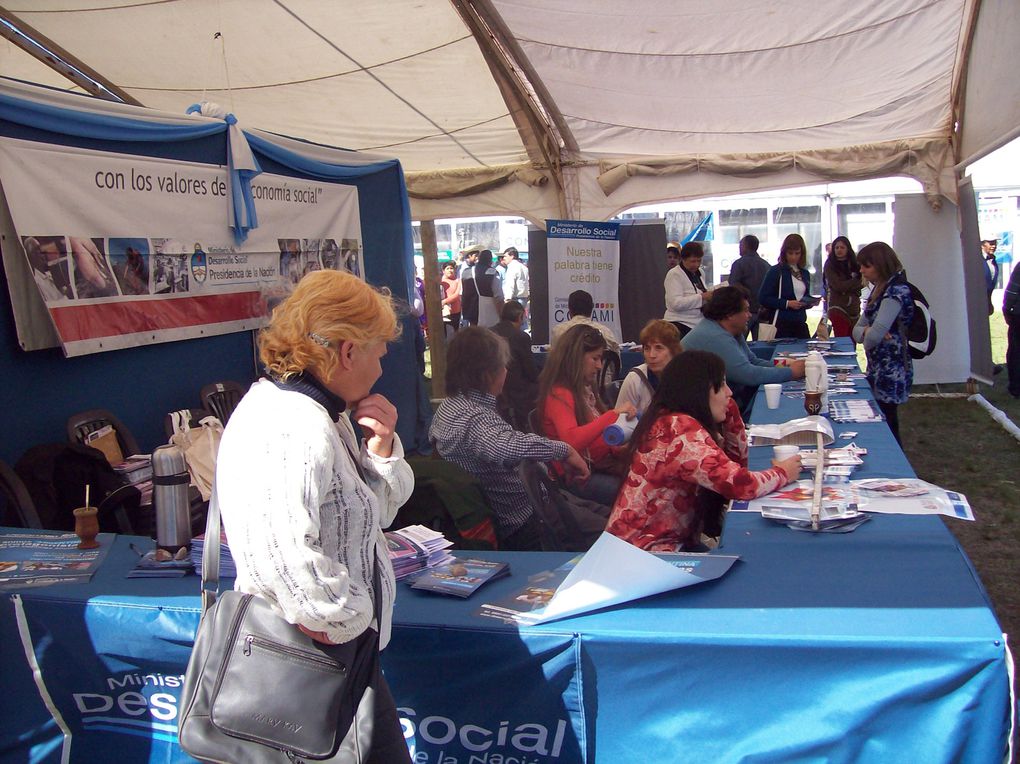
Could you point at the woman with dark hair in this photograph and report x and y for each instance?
(688, 455)
(843, 286)
(787, 288)
(685, 289)
(883, 330)
(571, 410)
(468, 431)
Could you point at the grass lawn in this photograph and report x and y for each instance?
(955, 443)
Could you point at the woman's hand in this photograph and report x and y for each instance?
(576, 466)
(318, 636)
(790, 466)
(627, 408)
(794, 305)
(378, 420)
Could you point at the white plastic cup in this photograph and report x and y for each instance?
(773, 394)
(781, 453)
(619, 433)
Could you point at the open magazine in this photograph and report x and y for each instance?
(610, 573)
(796, 432)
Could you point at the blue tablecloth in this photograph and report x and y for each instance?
(874, 646)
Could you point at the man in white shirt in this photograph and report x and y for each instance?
(515, 281)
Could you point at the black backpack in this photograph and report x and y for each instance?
(922, 334)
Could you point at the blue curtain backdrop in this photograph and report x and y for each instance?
(140, 385)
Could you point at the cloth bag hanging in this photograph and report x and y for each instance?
(199, 445)
(767, 329)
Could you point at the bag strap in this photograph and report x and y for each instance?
(211, 552)
(644, 378)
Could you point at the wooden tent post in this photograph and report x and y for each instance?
(434, 308)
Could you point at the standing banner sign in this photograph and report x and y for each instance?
(128, 250)
(584, 255)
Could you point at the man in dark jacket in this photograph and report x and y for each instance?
(749, 271)
(520, 391)
(1011, 312)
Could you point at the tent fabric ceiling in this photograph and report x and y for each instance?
(600, 81)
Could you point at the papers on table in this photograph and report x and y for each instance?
(796, 432)
(227, 567)
(159, 563)
(611, 572)
(900, 496)
(42, 558)
(854, 411)
(415, 548)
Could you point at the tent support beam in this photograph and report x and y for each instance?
(543, 130)
(433, 309)
(48, 52)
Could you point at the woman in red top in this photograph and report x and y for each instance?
(689, 452)
(571, 410)
(451, 296)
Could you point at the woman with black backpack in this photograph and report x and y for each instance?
(883, 330)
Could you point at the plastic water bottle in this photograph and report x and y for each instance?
(620, 431)
(170, 496)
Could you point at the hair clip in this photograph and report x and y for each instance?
(318, 339)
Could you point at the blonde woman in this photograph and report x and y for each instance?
(302, 504)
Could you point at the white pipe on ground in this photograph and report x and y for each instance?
(998, 415)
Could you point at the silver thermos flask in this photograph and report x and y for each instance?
(170, 496)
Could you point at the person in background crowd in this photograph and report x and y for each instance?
(468, 431)
(1011, 312)
(482, 292)
(418, 306)
(468, 258)
(672, 255)
(883, 327)
(787, 288)
(842, 279)
(722, 332)
(516, 285)
(688, 456)
(660, 343)
(520, 392)
(303, 504)
(749, 271)
(580, 307)
(685, 289)
(451, 297)
(570, 409)
(988, 248)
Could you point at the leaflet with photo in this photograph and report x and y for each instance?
(41, 557)
(462, 577)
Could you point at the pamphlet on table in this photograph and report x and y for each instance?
(461, 578)
(42, 558)
(415, 548)
(900, 496)
(610, 573)
(796, 432)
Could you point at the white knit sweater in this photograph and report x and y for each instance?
(300, 522)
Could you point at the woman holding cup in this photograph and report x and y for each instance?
(688, 456)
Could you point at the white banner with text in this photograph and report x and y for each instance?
(128, 250)
(584, 256)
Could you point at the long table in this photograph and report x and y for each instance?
(874, 646)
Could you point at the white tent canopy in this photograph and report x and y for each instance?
(570, 108)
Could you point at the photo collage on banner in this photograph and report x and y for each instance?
(127, 250)
(584, 255)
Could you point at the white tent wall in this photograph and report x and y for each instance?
(928, 244)
(990, 114)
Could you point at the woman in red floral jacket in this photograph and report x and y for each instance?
(689, 449)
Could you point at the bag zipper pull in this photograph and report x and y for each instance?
(247, 644)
